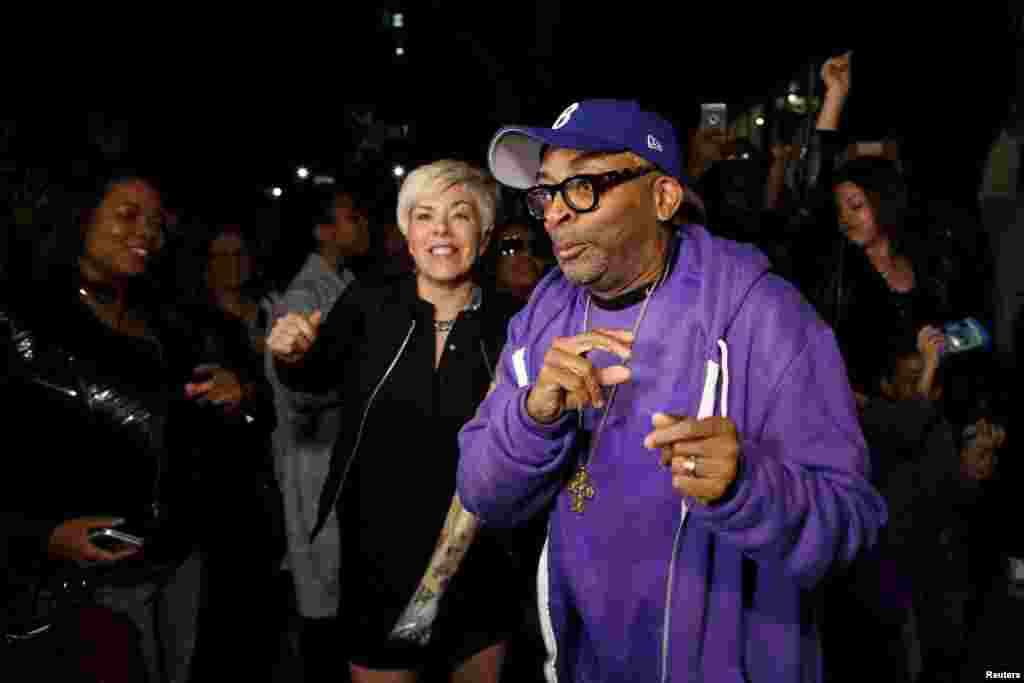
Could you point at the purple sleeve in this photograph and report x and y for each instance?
(803, 496)
(510, 466)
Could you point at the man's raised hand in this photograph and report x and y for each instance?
(568, 381)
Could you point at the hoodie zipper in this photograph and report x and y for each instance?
(667, 628)
(487, 360)
(366, 412)
(707, 408)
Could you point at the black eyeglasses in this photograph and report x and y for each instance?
(580, 192)
(510, 246)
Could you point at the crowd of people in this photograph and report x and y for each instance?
(616, 404)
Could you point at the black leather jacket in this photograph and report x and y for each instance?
(95, 423)
(944, 242)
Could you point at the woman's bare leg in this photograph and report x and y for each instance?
(363, 675)
(483, 667)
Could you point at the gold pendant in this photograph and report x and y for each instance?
(580, 488)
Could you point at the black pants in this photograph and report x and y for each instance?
(322, 648)
(862, 629)
(241, 622)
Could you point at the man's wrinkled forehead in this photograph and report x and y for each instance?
(578, 161)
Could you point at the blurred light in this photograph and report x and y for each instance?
(398, 20)
(399, 51)
(276, 192)
(302, 172)
(793, 98)
(399, 171)
(759, 121)
(323, 180)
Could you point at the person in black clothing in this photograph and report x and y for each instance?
(934, 474)
(516, 260)
(898, 259)
(230, 319)
(99, 373)
(413, 361)
(741, 196)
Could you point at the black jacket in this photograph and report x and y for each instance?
(944, 242)
(392, 474)
(95, 423)
(380, 336)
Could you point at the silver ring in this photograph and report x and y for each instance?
(690, 466)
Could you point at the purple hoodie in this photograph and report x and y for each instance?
(646, 585)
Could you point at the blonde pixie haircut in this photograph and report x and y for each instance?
(439, 177)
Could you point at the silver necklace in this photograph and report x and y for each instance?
(442, 326)
(581, 487)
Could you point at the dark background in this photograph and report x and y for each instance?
(228, 105)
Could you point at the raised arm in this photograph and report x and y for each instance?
(310, 354)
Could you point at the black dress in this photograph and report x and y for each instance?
(393, 472)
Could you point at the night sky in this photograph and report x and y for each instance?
(233, 106)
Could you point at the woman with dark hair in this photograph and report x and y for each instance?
(898, 265)
(230, 310)
(100, 381)
(903, 260)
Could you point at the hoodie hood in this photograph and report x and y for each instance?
(724, 273)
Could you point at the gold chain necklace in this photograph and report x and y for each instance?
(581, 487)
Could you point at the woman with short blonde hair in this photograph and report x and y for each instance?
(412, 359)
(441, 175)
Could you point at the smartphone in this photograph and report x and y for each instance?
(114, 541)
(714, 116)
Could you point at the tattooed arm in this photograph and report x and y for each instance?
(460, 528)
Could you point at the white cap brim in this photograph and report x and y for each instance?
(514, 158)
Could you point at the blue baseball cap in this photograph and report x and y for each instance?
(591, 126)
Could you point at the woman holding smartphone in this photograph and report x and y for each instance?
(98, 376)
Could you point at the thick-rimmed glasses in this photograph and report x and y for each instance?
(580, 192)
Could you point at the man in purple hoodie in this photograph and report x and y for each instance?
(682, 412)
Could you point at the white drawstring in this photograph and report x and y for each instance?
(724, 348)
(707, 399)
(547, 629)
